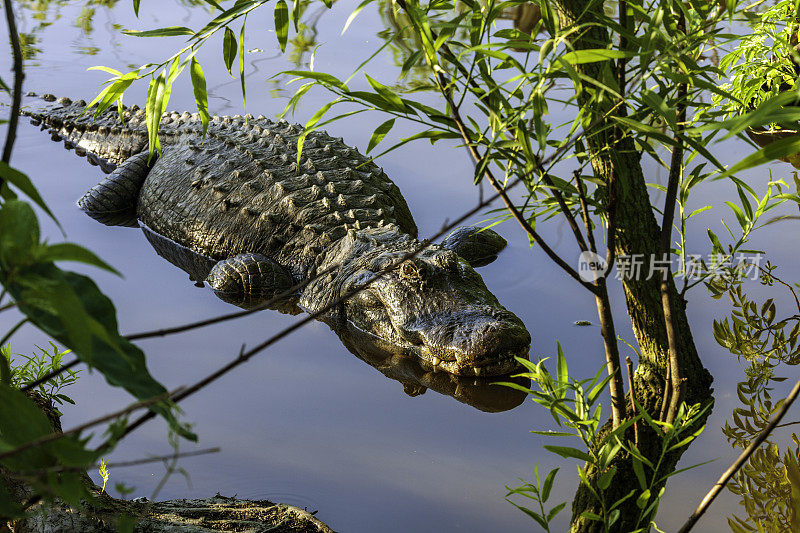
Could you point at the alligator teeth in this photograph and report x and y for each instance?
(477, 371)
(435, 362)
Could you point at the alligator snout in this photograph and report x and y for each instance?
(469, 342)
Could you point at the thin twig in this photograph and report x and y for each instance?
(78, 429)
(230, 316)
(118, 464)
(740, 461)
(632, 389)
(609, 334)
(518, 216)
(19, 75)
(677, 384)
(566, 211)
(585, 215)
(192, 325)
(13, 330)
(50, 375)
(9, 305)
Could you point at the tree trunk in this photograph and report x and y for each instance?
(616, 161)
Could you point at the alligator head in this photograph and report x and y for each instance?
(434, 305)
(480, 393)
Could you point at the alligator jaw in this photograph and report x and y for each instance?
(503, 365)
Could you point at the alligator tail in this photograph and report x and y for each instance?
(105, 140)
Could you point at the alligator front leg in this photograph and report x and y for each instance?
(247, 280)
(113, 200)
(478, 246)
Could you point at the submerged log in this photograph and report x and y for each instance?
(208, 515)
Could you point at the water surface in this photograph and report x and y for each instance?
(307, 422)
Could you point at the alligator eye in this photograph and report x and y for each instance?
(410, 271)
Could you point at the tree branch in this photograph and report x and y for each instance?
(740, 461)
(675, 380)
(19, 75)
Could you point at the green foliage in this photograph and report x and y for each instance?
(765, 62)
(31, 368)
(574, 405)
(52, 470)
(69, 307)
(496, 87)
(104, 472)
(768, 483)
(539, 493)
(71, 310)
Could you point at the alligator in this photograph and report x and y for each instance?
(392, 361)
(266, 220)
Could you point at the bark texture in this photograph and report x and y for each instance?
(615, 160)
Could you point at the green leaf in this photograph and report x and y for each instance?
(19, 234)
(71, 309)
(548, 485)
(24, 184)
(175, 69)
(549, 433)
(562, 373)
(5, 370)
(638, 469)
(296, 14)
(776, 150)
(590, 55)
(282, 23)
(239, 7)
(310, 126)
(389, 96)
(200, 94)
(154, 109)
(740, 216)
(555, 510)
(21, 421)
(321, 77)
(136, 7)
(717, 246)
(354, 14)
(229, 49)
(67, 251)
(9, 507)
(568, 452)
(533, 514)
(112, 93)
(241, 64)
(170, 31)
(657, 104)
(379, 133)
(110, 70)
(605, 479)
(643, 498)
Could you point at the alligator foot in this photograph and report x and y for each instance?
(478, 246)
(247, 280)
(113, 200)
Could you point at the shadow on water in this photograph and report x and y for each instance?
(391, 361)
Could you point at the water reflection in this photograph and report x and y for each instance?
(391, 361)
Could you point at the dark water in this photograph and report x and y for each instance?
(307, 422)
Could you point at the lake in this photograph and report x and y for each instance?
(307, 422)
